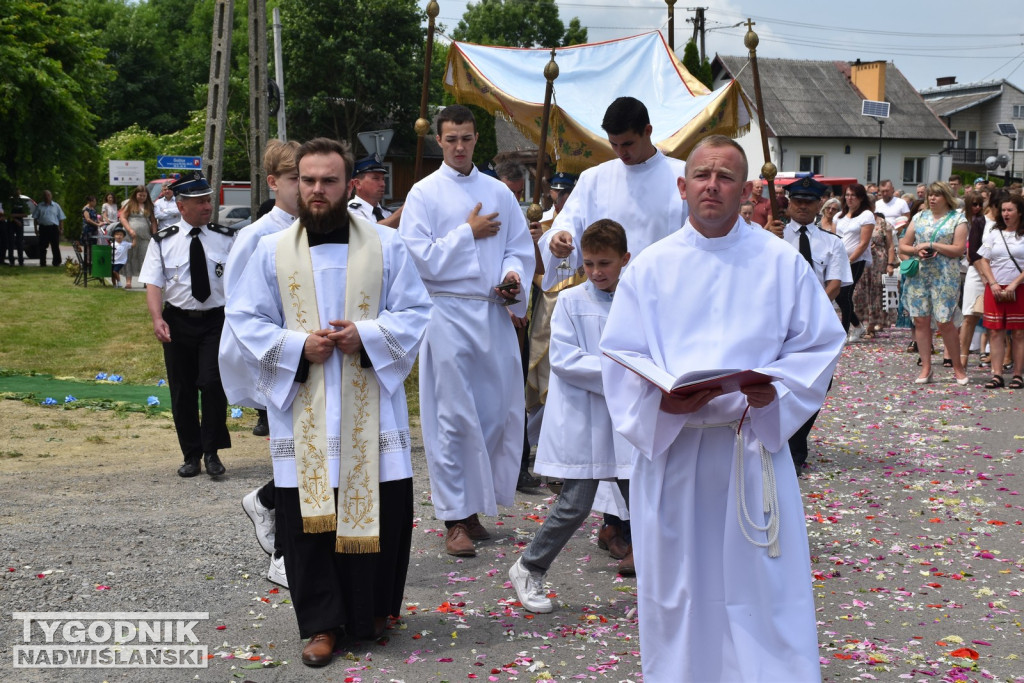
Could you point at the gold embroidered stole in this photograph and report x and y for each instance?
(356, 516)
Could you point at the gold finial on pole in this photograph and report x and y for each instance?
(422, 125)
(534, 213)
(750, 40)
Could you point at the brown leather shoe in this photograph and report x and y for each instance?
(609, 538)
(626, 566)
(458, 543)
(319, 651)
(476, 530)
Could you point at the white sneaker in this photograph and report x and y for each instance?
(856, 333)
(529, 588)
(263, 519)
(276, 572)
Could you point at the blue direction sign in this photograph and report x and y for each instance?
(179, 163)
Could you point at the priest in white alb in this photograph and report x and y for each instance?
(722, 559)
(470, 242)
(333, 317)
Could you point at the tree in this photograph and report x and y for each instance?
(353, 69)
(701, 70)
(517, 23)
(47, 60)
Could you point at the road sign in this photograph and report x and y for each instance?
(377, 141)
(127, 172)
(179, 163)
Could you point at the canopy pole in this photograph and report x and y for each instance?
(769, 170)
(534, 213)
(422, 125)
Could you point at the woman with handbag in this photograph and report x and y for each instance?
(1001, 255)
(935, 242)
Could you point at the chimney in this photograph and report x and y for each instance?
(945, 80)
(869, 79)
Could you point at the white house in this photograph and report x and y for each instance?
(814, 120)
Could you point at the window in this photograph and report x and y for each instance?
(966, 139)
(1018, 111)
(811, 163)
(913, 170)
(1019, 144)
(871, 176)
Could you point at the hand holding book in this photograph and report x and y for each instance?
(727, 380)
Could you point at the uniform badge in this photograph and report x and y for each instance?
(219, 270)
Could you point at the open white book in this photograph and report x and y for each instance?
(691, 382)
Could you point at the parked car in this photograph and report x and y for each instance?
(232, 213)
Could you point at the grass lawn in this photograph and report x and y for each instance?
(49, 325)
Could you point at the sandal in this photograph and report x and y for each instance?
(1016, 383)
(912, 347)
(995, 383)
(947, 362)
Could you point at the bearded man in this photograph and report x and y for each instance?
(330, 323)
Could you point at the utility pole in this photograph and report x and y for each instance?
(217, 95)
(698, 28)
(259, 121)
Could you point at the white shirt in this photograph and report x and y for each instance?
(167, 266)
(166, 212)
(892, 209)
(848, 229)
(364, 209)
(998, 254)
(827, 252)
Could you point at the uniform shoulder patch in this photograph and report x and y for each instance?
(354, 205)
(228, 230)
(165, 233)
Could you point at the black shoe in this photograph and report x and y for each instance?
(190, 468)
(261, 428)
(213, 465)
(527, 481)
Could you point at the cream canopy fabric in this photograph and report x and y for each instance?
(511, 81)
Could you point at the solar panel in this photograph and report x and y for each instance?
(1007, 129)
(873, 108)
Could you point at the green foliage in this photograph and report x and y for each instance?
(351, 69)
(692, 61)
(517, 23)
(47, 58)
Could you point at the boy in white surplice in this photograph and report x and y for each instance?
(577, 441)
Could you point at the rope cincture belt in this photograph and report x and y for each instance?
(769, 492)
(475, 297)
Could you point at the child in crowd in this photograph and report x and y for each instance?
(577, 442)
(121, 247)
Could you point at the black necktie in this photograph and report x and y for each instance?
(805, 245)
(378, 214)
(197, 267)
